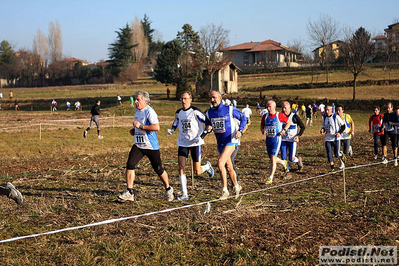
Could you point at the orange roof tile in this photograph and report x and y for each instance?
(242, 46)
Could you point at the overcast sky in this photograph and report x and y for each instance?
(88, 26)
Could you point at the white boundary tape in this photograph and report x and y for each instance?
(178, 208)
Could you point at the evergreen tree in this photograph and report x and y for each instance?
(193, 58)
(120, 52)
(8, 61)
(167, 67)
(148, 31)
(181, 61)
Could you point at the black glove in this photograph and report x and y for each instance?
(205, 132)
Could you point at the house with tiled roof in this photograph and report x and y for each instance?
(224, 79)
(392, 33)
(380, 42)
(266, 53)
(330, 50)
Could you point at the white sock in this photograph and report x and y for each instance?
(183, 182)
(225, 189)
(271, 177)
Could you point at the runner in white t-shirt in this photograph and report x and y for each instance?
(190, 122)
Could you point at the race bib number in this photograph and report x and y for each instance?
(328, 129)
(376, 128)
(140, 140)
(271, 131)
(186, 125)
(219, 125)
(389, 127)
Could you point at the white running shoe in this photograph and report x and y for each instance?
(169, 194)
(375, 157)
(342, 166)
(396, 162)
(384, 160)
(183, 197)
(225, 195)
(14, 194)
(100, 137)
(85, 134)
(126, 195)
(350, 151)
(237, 190)
(211, 172)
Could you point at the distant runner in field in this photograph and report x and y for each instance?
(146, 125)
(77, 106)
(315, 107)
(272, 126)
(322, 109)
(349, 131)
(54, 105)
(333, 127)
(118, 100)
(190, 121)
(95, 119)
(390, 124)
(375, 126)
(68, 105)
(248, 113)
(290, 139)
(309, 115)
(12, 193)
(257, 107)
(303, 108)
(221, 121)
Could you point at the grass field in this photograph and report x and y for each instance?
(70, 181)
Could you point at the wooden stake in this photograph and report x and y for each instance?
(40, 131)
(192, 173)
(343, 173)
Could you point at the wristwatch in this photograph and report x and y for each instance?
(141, 126)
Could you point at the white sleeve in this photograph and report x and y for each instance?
(152, 117)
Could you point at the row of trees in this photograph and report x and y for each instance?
(356, 50)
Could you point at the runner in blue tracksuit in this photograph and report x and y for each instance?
(227, 132)
(272, 126)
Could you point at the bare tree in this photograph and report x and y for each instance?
(139, 51)
(213, 39)
(322, 33)
(40, 53)
(55, 41)
(40, 47)
(357, 50)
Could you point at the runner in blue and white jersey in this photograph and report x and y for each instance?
(333, 127)
(291, 138)
(272, 126)
(190, 122)
(221, 121)
(145, 129)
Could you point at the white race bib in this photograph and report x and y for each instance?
(219, 124)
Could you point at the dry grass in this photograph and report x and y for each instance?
(70, 181)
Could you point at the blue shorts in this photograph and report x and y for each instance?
(221, 147)
(273, 145)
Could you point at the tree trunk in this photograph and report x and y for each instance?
(354, 87)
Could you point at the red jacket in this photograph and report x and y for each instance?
(375, 124)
